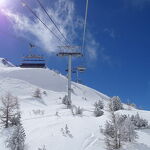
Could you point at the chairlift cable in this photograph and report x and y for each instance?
(44, 9)
(85, 25)
(30, 9)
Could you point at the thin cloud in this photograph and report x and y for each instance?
(64, 15)
(137, 3)
(104, 57)
(110, 32)
(95, 50)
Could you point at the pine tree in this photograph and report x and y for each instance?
(128, 130)
(139, 122)
(98, 112)
(99, 104)
(16, 120)
(37, 93)
(111, 133)
(66, 101)
(120, 129)
(17, 140)
(115, 104)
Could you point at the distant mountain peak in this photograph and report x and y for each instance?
(5, 63)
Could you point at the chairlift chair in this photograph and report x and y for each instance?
(33, 60)
(81, 68)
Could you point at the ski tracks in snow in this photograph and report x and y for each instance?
(89, 142)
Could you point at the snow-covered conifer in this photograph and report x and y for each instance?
(98, 112)
(99, 104)
(120, 129)
(66, 101)
(139, 122)
(111, 139)
(128, 132)
(16, 119)
(37, 93)
(17, 140)
(115, 103)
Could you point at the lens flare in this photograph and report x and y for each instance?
(3, 3)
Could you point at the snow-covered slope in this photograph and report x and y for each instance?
(44, 127)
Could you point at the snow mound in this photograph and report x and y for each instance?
(5, 63)
(50, 80)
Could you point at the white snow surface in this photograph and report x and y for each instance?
(45, 128)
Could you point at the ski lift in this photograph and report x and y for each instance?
(73, 70)
(33, 60)
(81, 68)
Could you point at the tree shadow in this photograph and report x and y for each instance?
(40, 100)
(147, 131)
(137, 146)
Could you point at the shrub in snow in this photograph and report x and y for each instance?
(66, 101)
(76, 110)
(38, 112)
(17, 140)
(43, 148)
(84, 98)
(79, 111)
(119, 130)
(57, 114)
(139, 122)
(98, 112)
(45, 93)
(99, 104)
(131, 105)
(66, 131)
(115, 104)
(37, 93)
(73, 109)
(8, 110)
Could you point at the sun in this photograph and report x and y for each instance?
(2, 3)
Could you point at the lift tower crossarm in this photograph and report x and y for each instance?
(77, 54)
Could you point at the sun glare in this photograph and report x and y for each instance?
(2, 3)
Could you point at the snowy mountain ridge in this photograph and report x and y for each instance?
(44, 119)
(5, 63)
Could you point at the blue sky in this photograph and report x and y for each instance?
(117, 48)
